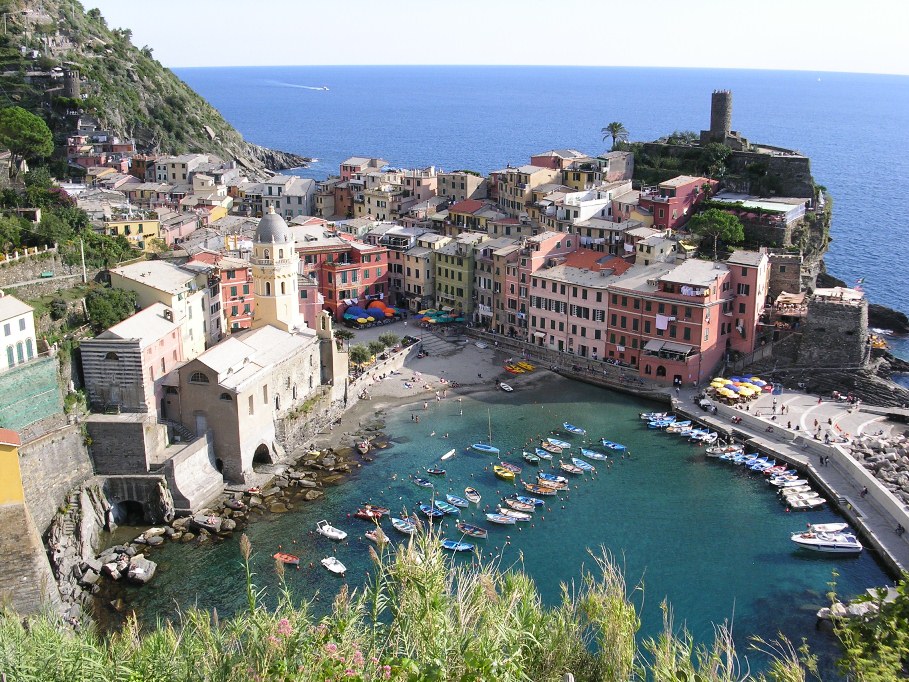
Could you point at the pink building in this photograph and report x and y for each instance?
(237, 294)
(360, 164)
(124, 367)
(671, 203)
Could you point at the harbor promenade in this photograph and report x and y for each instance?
(876, 514)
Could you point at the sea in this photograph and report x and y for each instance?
(711, 539)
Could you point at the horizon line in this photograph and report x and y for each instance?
(550, 66)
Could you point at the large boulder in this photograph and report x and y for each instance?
(141, 570)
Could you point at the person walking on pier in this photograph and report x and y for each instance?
(864, 491)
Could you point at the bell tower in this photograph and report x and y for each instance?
(274, 269)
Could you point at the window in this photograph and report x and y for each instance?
(742, 308)
(29, 351)
(7, 330)
(245, 289)
(21, 324)
(233, 292)
(198, 378)
(10, 356)
(265, 395)
(283, 288)
(268, 288)
(112, 356)
(226, 397)
(252, 408)
(686, 333)
(744, 272)
(647, 306)
(688, 311)
(743, 289)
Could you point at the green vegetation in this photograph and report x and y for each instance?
(717, 225)
(653, 164)
(25, 135)
(107, 307)
(375, 347)
(342, 335)
(359, 354)
(389, 339)
(616, 131)
(420, 617)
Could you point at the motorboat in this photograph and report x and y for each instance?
(513, 468)
(329, 531)
(505, 387)
(551, 448)
(433, 471)
(447, 508)
(518, 505)
(795, 489)
(827, 527)
(472, 495)
(581, 464)
(284, 558)
(778, 473)
(536, 502)
(529, 457)
(456, 501)
(543, 454)
(593, 454)
(485, 448)
(456, 546)
(471, 530)
(503, 473)
(650, 416)
(718, 450)
(839, 543)
(376, 535)
(807, 504)
(501, 519)
(333, 565)
(552, 478)
(422, 482)
(448, 455)
(538, 489)
(794, 497)
(564, 444)
(404, 526)
(367, 514)
(576, 430)
(570, 468)
(612, 445)
(675, 426)
(514, 514)
(431, 511)
(789, 483)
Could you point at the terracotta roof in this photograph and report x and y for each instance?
(9, 437)
(596, 261)
(466, 206)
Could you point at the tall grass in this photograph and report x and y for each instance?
(420, 617)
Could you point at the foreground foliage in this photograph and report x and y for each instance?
(419, 618)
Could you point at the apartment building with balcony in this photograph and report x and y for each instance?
(454, 273)
(140, 228)
(516, 185)
(671, 203)
(489, 278)
(237, 294)
(419, 272)
(289, 195)
(360, 164)
(460, 186)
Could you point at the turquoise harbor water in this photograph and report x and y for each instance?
(707, 536)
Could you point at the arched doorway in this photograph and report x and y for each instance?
(262, 455)
(661, 371)
(128, 513)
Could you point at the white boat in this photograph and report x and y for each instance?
(481, 345)
(720, 450)
(333, 565)
(559, 443)
(827, 527)
(794, 497)
(789, 484)
(505, 387)
(807, 504)
(839, 543)
(448, 455)
(650, 416)
(329, 531)
(795, 489)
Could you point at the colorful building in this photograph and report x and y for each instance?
(455, 273)
(237, 297)
(671, 203)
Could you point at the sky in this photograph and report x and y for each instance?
(808, 35)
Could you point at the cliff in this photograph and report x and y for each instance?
(123, 86)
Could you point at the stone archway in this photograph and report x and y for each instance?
(128, 513)
(262, 455)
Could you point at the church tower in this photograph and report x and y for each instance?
(274, 270)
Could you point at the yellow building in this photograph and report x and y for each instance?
(454, 273)
(10, 478)
(139, 229)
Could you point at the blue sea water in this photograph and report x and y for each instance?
(853, 126)
(709, 537)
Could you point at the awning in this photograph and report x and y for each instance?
(654, 345)
(540, 335)
(677, 347)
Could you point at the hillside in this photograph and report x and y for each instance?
(125, 87)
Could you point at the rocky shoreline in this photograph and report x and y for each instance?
(887, 459)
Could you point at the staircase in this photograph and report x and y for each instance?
(177, 432)
(434, 344)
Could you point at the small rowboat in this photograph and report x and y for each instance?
(501, 519)
(511, 467)
(612, 445)
(456, 546)
(801, 496)
(447, 508)
(807, 504)
(570, 468)
(431, 511)
(471, 530)
(333, 565)
(536, 502)
(549, 447)
(581, 464)
(363, 447)
(503, 473)
(367, 514)
(377, 536)
(543, 454)
(514, 514)
(404, 526)
(481, 345)
(593, 454)
(456, 501)
(552, 478)
(650, 416)
(432, 471)
(422, 482)
(718, 450)
(505, 387)
(376, 508)
(473, 495)
(571, 428)
(530, 458)
(559, 443)
(517, 505)
(795, 490)
(514, 369)
(448, 455)
(284, 558)
(538, 489)
(526, 366)
(485, 448)
(675, 427)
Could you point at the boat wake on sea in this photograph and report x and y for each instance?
(296, 85)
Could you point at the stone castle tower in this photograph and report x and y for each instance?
(274, 269)
(720, 114)
(71, 85)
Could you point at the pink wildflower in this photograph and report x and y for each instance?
(274, 641)
(386, 671)
(374, 659)
(284, 627)
(357, 659)
(349, 672)
(331, 647)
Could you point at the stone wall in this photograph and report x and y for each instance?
(191, 474)
(150, 491)
(52, 466)
(785, 273)
(30, 268)
(792, 172)
(26, 581)
(834, 334)
(124, 444)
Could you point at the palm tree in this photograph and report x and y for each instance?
(616, 131)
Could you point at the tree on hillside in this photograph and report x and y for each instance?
(359, 354)
(616, 131)
(717, 225)
(107, 307)
(342, 335)
(10, 233)
(25, 135)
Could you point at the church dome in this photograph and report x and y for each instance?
(272, 228)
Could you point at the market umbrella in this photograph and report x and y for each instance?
(459, 319)
(720, 379)
(754, 379)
